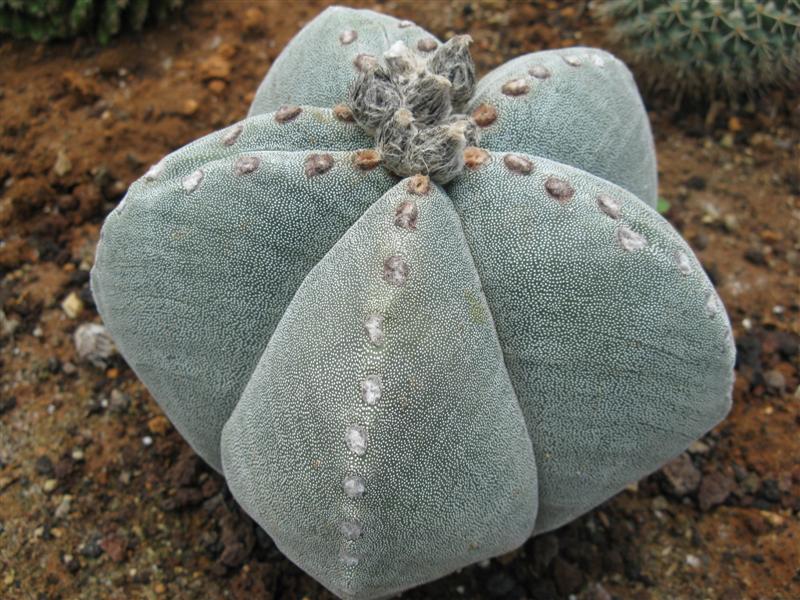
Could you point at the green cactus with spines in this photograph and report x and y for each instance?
(44, 20)
(401, 376)
(708, 49)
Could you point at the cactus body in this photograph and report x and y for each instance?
(708, 48)
(399, 378)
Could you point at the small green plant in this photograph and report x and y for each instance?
(705, 49)
(44, 20)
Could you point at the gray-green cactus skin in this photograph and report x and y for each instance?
(399, 378)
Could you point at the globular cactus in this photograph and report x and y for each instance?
(400, 376)
(708, 48)
(43, 20)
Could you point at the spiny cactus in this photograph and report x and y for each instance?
(43, 20)
(400, 377)
(708, 48)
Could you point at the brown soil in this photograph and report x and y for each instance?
(90, 509)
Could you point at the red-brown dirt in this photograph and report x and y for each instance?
(101, 498)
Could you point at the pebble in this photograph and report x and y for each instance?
(158, 425)
(693, 561)
(217, 86)
(70, 563)
(43, 465)
(93, 343)
(119, 402)
(63, 164)
(69, 368)
(714, 490)
(775, 380)
(755, 256)
(91, 549)
(750, 483)
(78, 455)
(62, 510)
(681, 474)
(50, 485)
(114, 546)
(699, 447)
(7, 326)
(72, 305)
(189, 107)
(215, 67)
(147, 441)
(770, 491)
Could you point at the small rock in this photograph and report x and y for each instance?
(750, 483)
(78, 455)
(693, 561)
(253, 20)
(69, 368)
(93, 343)
(696, 182)
(62, 510)
(215, 67)
(72, 305)
(698, 447)
(217, 86)
(714, 490)
(147, 441)
(770, 491)
(158, 425)
(50, 485)
(755, 256)
(90, 549)
(71, 563)
(681, 474)
(119, 402)
(237, 539)
(775, 380)
(7, 326)
(43, 465)
(730, 223)
(63, 164)
(189, 107)
(114, 546)
(727, 140)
